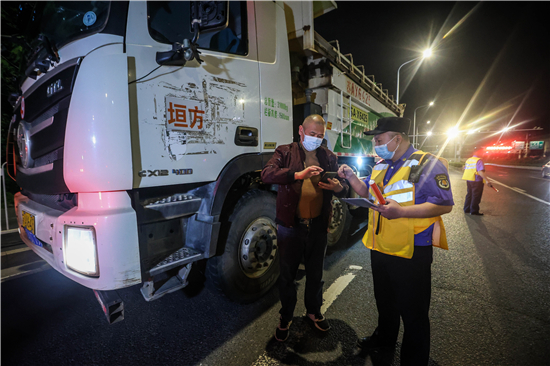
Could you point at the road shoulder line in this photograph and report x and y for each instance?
(515, 166)
(521, 191)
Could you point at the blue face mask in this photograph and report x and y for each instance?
(383, 151)
(311, 143)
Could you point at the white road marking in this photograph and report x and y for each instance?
(329, 296)
(21, 271)
(521, 191)
(335, 290)
(15, 251)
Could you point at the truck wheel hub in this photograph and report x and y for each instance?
(258, 247)
(337, 215)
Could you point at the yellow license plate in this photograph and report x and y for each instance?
(28, 222)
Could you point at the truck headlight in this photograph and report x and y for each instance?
(81, 250)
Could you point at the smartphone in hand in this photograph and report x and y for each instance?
(328, 175)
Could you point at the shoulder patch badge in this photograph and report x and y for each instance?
(442, 181)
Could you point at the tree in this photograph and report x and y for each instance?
(20, 25)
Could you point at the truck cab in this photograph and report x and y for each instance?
(142, 127)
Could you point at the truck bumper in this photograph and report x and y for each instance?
(114, 223)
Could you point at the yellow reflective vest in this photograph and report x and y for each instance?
(470, 169)
(396, 236)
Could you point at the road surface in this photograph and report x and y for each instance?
(490, 303)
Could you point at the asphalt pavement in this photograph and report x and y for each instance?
(490, 303)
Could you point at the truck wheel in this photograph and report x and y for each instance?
(339, 224)
(249, 265)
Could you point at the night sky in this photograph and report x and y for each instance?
(492, 70)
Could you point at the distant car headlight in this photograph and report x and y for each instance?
(81, 250)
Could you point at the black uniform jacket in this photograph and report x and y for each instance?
(280, 169)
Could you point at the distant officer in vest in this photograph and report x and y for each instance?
(475, 177)
(400, 235)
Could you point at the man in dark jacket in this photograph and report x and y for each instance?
(303, 215)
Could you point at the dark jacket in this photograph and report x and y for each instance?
(280, 169)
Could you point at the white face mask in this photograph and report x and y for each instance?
(311, 143)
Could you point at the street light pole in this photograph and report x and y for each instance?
(397, 102)
(414, 120)
(425, 54)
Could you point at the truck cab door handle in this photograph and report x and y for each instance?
(246, 136)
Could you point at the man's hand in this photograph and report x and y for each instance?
(390, 211)
(308, 172)
(332, 185)
(345, 172)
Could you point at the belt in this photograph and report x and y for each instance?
(305, 221)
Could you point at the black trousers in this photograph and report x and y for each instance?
(473, 197)
(402, 289)
(309, 243)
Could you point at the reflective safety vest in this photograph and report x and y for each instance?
(396, 236)
(470, 169)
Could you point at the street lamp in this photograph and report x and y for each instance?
(414, 120)
(427, 53)
(417, 132)
(428, 134)
(453, 132)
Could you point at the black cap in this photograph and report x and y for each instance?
(393, 124)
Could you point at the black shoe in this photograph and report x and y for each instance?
(466, 212)
(371, 344)
(476, 213)
(283, 329)
(319, 321)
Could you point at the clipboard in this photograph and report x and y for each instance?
(361, 202)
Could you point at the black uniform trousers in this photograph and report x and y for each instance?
(310, 243)
(402, 288)
(473, 197)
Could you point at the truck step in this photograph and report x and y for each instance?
(153, 290)
(174, 206)
(179, 258)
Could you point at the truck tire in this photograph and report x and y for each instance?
(249, 265)
(338, 229)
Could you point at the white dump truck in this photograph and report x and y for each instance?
(142, 127)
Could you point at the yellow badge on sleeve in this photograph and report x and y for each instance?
(442, 181)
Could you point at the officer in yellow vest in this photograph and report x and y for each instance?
(400, 235)
(475, 177)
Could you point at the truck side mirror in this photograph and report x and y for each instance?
(206, 16)
(210, 15)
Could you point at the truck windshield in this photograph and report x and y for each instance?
(65, 21)
(62, 22)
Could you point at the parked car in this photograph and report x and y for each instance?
(546, 170)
